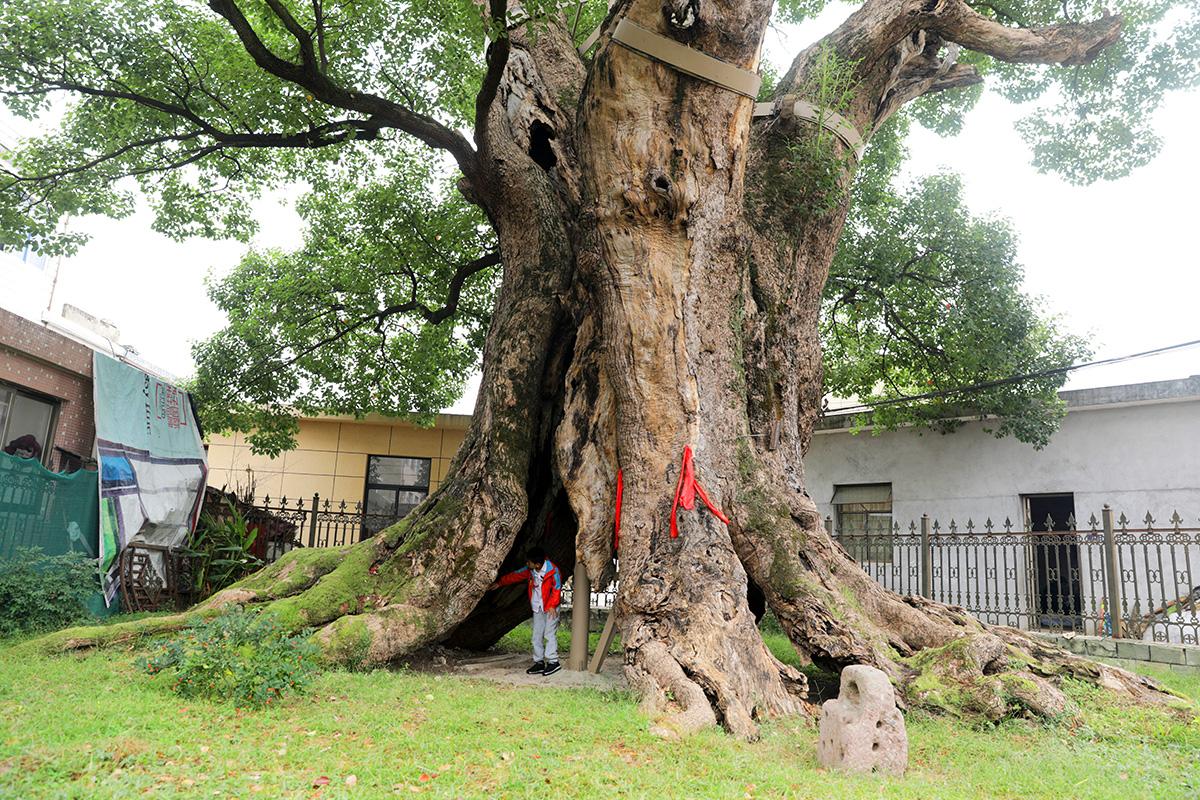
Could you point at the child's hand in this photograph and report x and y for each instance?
(552, 613)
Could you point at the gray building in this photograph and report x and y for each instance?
(1135, 448)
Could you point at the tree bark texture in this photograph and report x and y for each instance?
(654, 298)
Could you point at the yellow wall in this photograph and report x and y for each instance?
(331, 459)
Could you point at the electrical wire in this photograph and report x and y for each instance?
(976, 387)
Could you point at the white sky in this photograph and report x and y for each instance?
(1117, 260)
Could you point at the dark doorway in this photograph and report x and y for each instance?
(1057, 586)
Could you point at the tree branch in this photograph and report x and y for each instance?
(497, 59)
(322, 88)
(1068, 43)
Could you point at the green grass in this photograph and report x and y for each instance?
(93, 727)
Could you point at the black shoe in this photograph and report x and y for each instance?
(538, 668)
(552, 668)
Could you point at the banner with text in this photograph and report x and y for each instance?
(152, 463)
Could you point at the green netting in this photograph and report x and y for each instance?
(56, 513)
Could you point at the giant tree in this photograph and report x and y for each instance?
(660, 252)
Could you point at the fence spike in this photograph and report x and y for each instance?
(1093, 523)
(283, 502)
(970, 525)
(987, 525)
(1049, 523)
(342, 507)
(1007, 525)
(1071, 521)
(267, 500)
(936, 526)
(1176, 520)
(953, 527)
(912, 526)
(1149, 520)
(1123, 521)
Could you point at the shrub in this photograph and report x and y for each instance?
(40, 592)
(246, 657)
(221, 548)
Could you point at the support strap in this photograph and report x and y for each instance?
(827, 118)
(686, 60)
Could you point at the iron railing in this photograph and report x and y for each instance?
(1064, 580)
(313, 522)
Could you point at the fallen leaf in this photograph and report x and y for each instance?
(425, 776)
(351, 780)
(321, 781)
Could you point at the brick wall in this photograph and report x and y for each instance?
(36, 358)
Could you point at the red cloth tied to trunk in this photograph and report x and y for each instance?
(686, 490)
(617, 515)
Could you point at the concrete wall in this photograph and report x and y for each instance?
(42, 361)
(331, 459)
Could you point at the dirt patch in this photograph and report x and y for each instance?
(509, 669)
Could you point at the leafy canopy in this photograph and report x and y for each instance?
(201, 107)
(922, 298)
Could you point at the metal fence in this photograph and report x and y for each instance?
(1065, 578)
(313, 522)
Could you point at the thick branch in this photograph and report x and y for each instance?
(322, 88)
(497, 59)
(1069, 43)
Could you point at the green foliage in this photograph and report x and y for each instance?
(321, 330)
(42, 593)
(242, 656)
(924, 297)
(221, 547)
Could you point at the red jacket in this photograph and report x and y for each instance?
(551, 583)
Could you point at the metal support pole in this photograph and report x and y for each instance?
(581, 611)
(312, 522)
(1112, 573)
(926, 559)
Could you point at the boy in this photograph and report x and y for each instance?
(545, 593)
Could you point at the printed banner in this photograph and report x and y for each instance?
(152, 463)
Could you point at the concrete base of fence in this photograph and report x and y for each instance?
(1185, 658)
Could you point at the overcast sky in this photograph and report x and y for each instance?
(1117, 260)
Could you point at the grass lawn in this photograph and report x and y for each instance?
(93, 727)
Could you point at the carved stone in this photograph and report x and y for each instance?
(862, 730)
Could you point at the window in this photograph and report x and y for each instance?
(864, 520)
(26, 422)
(395, 486)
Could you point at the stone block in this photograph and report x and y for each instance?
(1193, 656)
(1101, 647)
(1138, 651)
(1167, 654)
(862, 730)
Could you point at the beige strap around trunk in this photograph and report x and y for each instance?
(827, 118)
(686, 60)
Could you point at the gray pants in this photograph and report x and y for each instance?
(545, 636)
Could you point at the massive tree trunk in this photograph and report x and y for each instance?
(651, 302)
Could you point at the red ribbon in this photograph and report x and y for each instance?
(686, 490)
(617, 514)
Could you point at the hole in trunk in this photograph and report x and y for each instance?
(540, 149)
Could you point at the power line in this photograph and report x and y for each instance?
(1045, 373)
